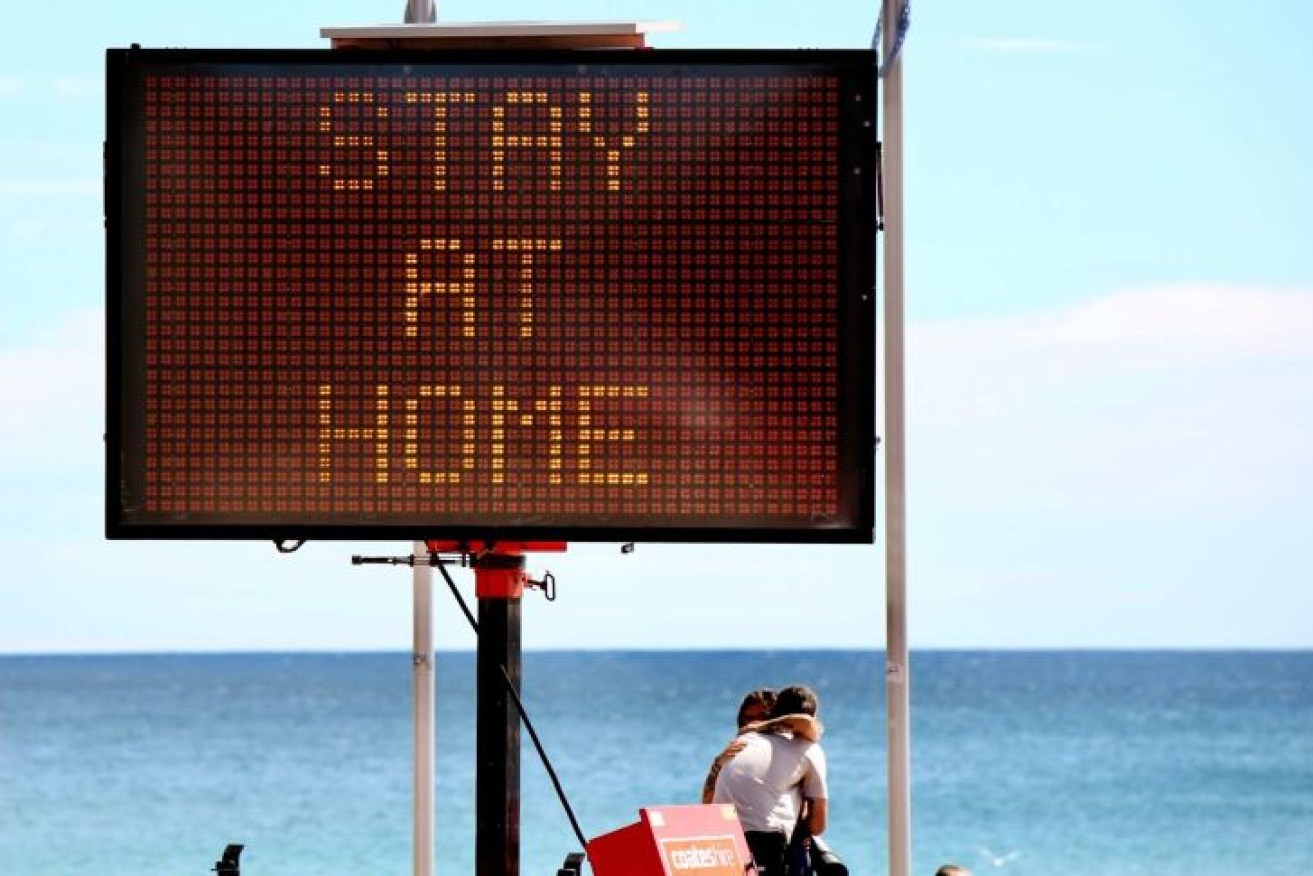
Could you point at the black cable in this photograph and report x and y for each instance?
(460, 600)
(547, 764)
(524, 715)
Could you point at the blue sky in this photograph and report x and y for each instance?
(1110, 298)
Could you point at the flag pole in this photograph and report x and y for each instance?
(897, 671)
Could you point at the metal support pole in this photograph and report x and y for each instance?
(897, 670)
(422, 700)
(421, 11)
(497, 743)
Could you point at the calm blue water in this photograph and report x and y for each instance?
(1080, 763)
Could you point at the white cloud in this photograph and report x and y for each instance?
(43, 187)
(77, 87)
(1201, 323)
(62, 87)
(12, 84)
(52, 394)
(1156, 400)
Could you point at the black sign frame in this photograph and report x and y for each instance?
(126, 366)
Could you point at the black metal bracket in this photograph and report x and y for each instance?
(573, 866)
(434, 559)
(230, 863)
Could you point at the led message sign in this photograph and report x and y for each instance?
(585, 295)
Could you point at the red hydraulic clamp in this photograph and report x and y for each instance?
(498, 566)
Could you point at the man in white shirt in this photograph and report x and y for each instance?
(775, 780)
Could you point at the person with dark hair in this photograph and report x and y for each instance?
(776, 779)
(952, 870)
(796, 700)
(756, 706)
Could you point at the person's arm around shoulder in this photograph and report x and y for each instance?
(709, 786)
(801, 726)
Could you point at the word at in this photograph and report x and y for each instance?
(464, 287)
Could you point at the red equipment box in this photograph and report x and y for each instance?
(674, 841)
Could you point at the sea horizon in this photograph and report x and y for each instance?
(824, 649)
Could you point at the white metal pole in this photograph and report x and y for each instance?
(897, 670)
(422, 698)
(421, 11)
(423, 703)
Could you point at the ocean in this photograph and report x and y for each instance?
(1045, 762)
